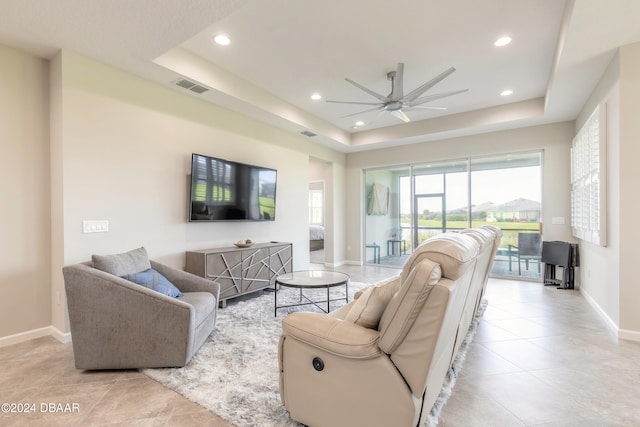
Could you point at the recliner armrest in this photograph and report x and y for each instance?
(333, 335)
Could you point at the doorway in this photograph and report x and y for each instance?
(320, 219)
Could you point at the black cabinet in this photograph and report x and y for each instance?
(560, 254)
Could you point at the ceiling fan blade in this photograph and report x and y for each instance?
(375, 119)
(425, 107)
(428, 85)
(401, 115)
(358, 103)
(433, 97)
(362, 112)
(369, 91)
(397, 82)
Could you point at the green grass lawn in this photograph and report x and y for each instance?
(510, 230)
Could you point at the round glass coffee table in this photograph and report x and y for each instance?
(312, 279)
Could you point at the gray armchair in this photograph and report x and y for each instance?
(118, 324)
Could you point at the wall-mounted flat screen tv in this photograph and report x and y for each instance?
(222, 190)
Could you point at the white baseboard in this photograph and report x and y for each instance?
(35, 333)
(629, 335)
(625, 334)
(63, 337)
(610, 323)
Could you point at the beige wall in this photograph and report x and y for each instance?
(25, 231)
(99, 143)
(608, 275)
(599, 274)
(629, 179)
(126, 152)
(554, 139)
(118, 147)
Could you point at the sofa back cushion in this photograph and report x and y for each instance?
(454, 252)
(122, 264)
(404, 306)
(371, 303)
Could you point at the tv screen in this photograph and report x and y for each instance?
(222, 190)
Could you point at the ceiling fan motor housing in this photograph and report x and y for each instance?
(393, 106)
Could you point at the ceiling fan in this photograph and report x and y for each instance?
(397, 102)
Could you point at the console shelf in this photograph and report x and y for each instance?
(241, 271)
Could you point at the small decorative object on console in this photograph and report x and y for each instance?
(246, 243)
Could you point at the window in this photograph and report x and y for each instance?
(588, 187)
(316, 205)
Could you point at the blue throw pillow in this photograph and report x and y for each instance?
(153, 280)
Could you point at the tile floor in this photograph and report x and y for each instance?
(541, 357)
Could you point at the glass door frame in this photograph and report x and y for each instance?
(415, 214)
(402, 179)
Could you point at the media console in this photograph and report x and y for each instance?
(240, 271)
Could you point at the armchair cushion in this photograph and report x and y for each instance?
(122, 264)
(369, 306)
(153, 280)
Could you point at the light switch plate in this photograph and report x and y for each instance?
(557, 220)
(95, 226)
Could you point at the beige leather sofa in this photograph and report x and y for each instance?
(381, 360)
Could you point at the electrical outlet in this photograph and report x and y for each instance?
(96, 226)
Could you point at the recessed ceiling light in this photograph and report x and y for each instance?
(502, 41)
(359, 123)
(506, 92)
(222, 39)
(316, 96)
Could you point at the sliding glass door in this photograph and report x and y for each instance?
(507, 192)
(387, 209)
(405, 205)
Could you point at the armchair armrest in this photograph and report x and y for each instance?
(187, 282)
(333, 335)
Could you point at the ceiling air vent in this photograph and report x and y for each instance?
(188, 84)
(308, 133)
(198, 89)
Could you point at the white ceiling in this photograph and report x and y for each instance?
(284, 50)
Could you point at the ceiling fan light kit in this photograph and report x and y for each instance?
(397, 102)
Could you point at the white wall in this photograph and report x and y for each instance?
(609, 277)
(80, 140)
(554, 139)
(125, 157)
(599, 274)
(25, 259)
(629, 179)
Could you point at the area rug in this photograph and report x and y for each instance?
(235, 372)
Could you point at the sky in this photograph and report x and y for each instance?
(497, 186)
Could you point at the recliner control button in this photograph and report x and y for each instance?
(318, 364)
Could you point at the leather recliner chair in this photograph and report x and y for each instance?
(382, 359)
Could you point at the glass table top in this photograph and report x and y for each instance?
(313, 279)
